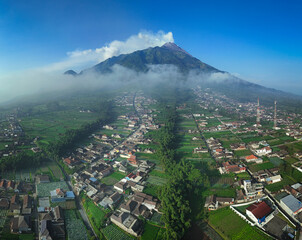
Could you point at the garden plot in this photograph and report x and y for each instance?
(113, 233)
(3, 214)
(156, 180)
(43, 189)
(74, 226)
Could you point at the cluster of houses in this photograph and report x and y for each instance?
(128, 213)
(52, 224)
(218, 151)
(119, 155)
(20, 207)
(268, 176)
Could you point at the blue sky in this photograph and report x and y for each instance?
(259, 41)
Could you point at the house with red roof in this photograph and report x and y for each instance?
(253, 158)
(259, 212)
(133, 161)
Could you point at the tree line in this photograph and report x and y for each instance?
(176, 194)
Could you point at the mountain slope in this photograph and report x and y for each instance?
(169, 53)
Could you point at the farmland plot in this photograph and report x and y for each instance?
(113, 233)
(43, 189)
(75, 227)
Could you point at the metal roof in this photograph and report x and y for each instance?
(292, 203)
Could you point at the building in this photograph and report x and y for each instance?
(213, 202)
(252, 190)
(258, 212)
(291, 205)
(274, 179)
(127, 222)
(253, 158)
(21, 224)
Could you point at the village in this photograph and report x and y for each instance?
(259, 159)
(113, 178)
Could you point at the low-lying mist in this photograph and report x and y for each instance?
(40, 82)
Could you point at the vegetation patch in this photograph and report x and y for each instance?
(230, 226)
(114, 233)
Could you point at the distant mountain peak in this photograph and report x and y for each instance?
(70, 72)
(172, 46)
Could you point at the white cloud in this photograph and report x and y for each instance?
(81, 58)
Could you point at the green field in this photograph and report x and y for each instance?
(230, 226)
(75, 227)
(242, 153)
(43, 189)
(113, 178)
(262, 166)
(96, 215)
(276, 161)
(150, 232)
(112, 232)
(49, 126)
(156, 180)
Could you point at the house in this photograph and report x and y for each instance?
(57, 195)
(15, 207)
(253, 158)
(258, 212)
(263, 151)
(10, 185)
(237, 146)
(231, 168)
(27, 205)
(133, 161)
(224, 200)
(135, 208)
(291, 205)
(121, 186)
(200, 150)
(44, 233)
(51, 225)
(128, 223)
(111, 201)
(274, 179)
(20, 224)
(211, 203)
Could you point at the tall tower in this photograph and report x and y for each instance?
(275, 116)
(258, 114)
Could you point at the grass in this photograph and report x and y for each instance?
(30, 236)
(156, 180)
(152, 189)
(50, 125)
(262, 166)
(242, 153)
(276, 161)
(112, 232)
(221, 192)
(96, 215)
(157, 173)
(43, 189)
(230, 226)
(113, 178)
(150, 232)
(75, 227)
(243, 175)
(290, 160)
